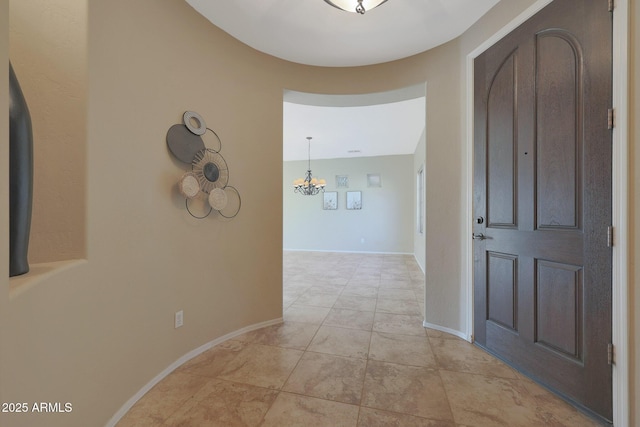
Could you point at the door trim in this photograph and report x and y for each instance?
(620, 202)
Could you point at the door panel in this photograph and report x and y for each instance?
(502, 288)
(558, 124)
(558, 316)
(542, 180)
(500, 148)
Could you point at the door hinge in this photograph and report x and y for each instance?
(610, 5)
(610, 236)
(610, 354)
(610, 122)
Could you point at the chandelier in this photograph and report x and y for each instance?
(359, 6)
(309, 186)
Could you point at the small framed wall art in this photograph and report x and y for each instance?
(342, 181)
(330, 201)
(374, 180)
(354, 200)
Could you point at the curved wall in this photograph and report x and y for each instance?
(96, 333)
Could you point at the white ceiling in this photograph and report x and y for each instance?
(313, 32)
(343, 126)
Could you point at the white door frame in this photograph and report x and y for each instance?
(620, 202)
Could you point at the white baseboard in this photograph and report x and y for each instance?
(447, 330)
(347, 252)
(419, 265)
(190, 355)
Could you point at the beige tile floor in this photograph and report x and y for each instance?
(352, 351)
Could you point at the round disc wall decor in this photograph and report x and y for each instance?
(209, 171)
(194, 122)
(183, 144)
(189, 185)
(218, 199)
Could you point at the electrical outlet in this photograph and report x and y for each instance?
(179, 318)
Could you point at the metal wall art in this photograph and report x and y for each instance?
(209, 174)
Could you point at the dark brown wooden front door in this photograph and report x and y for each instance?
(542, 200)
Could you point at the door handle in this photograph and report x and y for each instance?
(478, 236)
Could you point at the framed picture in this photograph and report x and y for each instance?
(354, 200)
(374, 180)
(330, 201)
(342, 181)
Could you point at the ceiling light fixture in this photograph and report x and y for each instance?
(309, 186)
(359, 6)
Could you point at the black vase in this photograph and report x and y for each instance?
(20, 177)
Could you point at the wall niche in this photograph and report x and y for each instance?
(48, 51)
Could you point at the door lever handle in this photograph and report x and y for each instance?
(478, 236)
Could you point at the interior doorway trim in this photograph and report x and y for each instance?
(620, 202)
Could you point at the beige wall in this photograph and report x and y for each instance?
(48, 52)
(94, 333)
